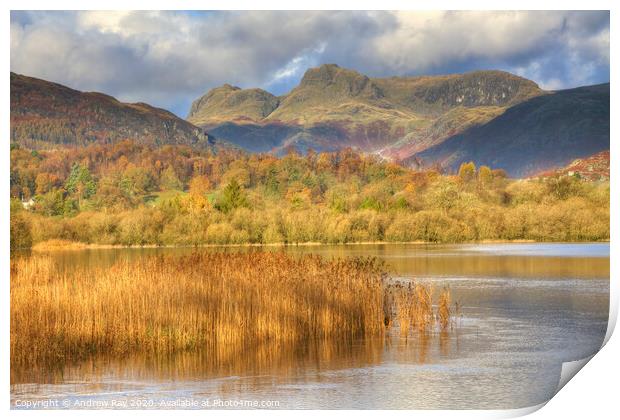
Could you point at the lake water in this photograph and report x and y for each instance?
(525, 309)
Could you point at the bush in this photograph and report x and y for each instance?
(185, 229)
(21, 236)
(142, 226)
(219, 233)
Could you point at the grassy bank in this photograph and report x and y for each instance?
(63, 245)
(214, 302)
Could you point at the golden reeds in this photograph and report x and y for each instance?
(214, 302)
(443, 311)
(413, 307)
(58, 244)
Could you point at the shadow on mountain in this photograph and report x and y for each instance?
(543, 132)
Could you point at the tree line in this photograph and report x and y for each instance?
(133, 194)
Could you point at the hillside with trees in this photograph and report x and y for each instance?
(46, 114)
(137, 194)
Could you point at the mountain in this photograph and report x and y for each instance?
(493, 118)
(46, 113)
(333, 107)
(230, 103)
(591, 168)
(543, 132)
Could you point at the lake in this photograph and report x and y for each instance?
(525, 308)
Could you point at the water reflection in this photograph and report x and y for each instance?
(523, 314)
(497, 260)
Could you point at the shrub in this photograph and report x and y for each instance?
(21, 236)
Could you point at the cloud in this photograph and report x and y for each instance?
(170, 58)
(290, 74)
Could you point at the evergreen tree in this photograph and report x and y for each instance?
(80, 182)
(232, 197)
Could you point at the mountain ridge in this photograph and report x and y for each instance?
(332, 84)
(44, 112)
(334, 107)
(408, 119)
(490, 117)
(535, 135)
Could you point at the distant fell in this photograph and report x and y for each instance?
(333, 107)
(43, 112)
(547, 131)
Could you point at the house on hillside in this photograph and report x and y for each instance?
(28, 204)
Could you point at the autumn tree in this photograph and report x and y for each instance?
(51, 203)
(136, 181)
(170, 180)
(197, 199)
(45, 181)
(467, 171)
(199, 185)
(485, 175)
(238, 173)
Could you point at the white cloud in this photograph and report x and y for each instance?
(291, 68)
(424, 40)
(297, 66)
(103, 21)
(170, 58)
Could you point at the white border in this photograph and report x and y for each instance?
(593, 395)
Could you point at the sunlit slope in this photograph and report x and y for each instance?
(333, 107)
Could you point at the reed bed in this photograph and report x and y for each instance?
(58, 244)
(216, 302)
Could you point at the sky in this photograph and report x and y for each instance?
(168, 59)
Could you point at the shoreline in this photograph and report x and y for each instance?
(61, 245)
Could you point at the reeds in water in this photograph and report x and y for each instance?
(414, 309)
(217, 303)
